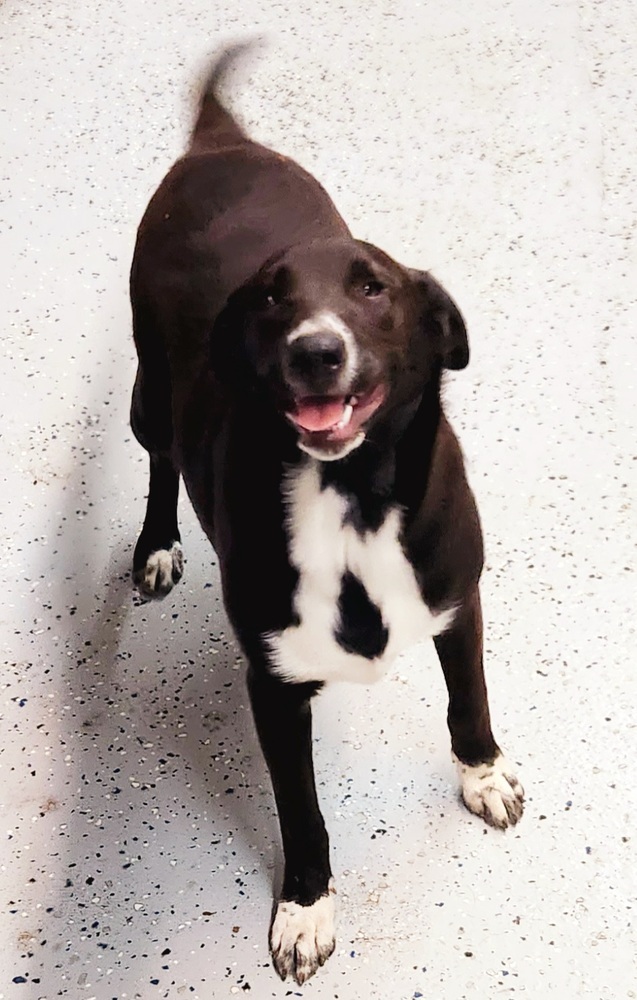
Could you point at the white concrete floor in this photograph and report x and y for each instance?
(494, 143)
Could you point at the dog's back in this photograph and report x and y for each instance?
(226, 207)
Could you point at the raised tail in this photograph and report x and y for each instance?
(215, 126)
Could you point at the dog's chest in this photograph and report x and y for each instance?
(357, 603)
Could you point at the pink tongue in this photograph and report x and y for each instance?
(319, 414)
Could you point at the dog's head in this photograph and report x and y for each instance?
(337, 335)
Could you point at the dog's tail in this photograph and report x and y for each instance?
(215, 126)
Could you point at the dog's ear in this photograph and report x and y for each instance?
(441, 318)
(227, 344)
(243, 336)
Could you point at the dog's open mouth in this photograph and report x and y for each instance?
(333, 425)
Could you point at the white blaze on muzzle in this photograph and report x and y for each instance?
(328, 322)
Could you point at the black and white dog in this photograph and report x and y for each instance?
(291, 375)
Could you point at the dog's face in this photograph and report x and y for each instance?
(338, 334)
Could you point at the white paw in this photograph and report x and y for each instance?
(164, 568)
(302, 937)
(492, 791)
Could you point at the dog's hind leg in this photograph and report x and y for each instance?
(158, 559)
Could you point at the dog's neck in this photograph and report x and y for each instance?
(381, 473)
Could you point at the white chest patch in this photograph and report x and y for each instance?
(323, 549)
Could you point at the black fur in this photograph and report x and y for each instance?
(360, 627)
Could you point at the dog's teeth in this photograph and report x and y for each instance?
(347, 416)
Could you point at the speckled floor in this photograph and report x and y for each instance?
(495, 144)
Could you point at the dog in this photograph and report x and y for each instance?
(291, 375)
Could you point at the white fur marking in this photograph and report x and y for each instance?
(322, 548)
(333, 456)
(329, 321)
(162, 570)
(302, 937)
(492, 791)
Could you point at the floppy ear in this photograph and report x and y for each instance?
(442, 317)
(235, 351)
(227, 347)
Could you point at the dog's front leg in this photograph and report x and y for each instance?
(302, 933)
(489, 785)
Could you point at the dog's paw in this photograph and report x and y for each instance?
(161, 571)
(302, 937)
(492, 791)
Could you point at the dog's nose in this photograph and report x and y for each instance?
(316, 354)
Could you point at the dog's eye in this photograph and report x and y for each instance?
(270, 299)
(372, 288)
